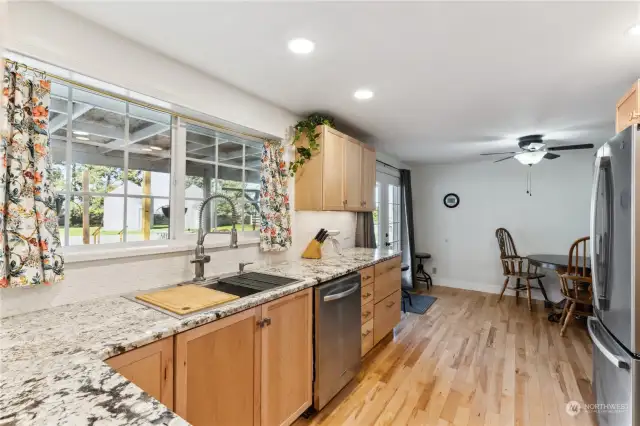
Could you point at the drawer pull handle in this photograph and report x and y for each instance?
(633, 115)
(366, 334)
(366, 295)
(390, 304)
(366, 314)
(367, 277)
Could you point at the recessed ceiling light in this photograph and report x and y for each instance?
(363, 94)
(301, 46)
(155, 148)
(635, 30)
(146, 149)
(81, 133)
(82, 138)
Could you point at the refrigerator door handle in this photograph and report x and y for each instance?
(594, 237)
(615, 360)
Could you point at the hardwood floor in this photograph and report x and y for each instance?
(470, 361)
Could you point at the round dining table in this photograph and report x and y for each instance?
(558, 263)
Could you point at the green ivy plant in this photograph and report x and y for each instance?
(307, 127)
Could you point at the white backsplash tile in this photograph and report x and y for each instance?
(90, 280)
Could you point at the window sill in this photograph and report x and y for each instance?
(75, 255)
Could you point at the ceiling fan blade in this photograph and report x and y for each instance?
(502, 159)
(499, 153)
(551, 156)
(569, 147)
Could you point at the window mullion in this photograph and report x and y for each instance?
(126, 171)
(178, 177)
(68, 159)
(244, 180)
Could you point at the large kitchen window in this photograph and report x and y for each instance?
(112, 163)
(115, 179)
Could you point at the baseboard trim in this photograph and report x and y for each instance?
(483, 287)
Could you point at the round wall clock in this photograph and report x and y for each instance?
(451, 200)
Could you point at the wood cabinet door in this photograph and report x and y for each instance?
(333, 171)
(218, 372)
(353, 175)
(628, 108)
(368, 178)
(386, 316)
(308, 179)
(287, 358)
(150, 368)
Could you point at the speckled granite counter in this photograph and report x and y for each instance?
(51, 369)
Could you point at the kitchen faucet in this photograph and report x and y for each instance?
(202, 258)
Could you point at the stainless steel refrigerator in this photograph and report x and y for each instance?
(615, 245)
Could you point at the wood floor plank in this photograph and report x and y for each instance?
(469, 361)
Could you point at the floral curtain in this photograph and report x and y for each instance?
(29, 238)
(275, 229)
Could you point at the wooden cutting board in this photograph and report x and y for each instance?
(186, 299)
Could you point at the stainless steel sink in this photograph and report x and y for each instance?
(239, 284)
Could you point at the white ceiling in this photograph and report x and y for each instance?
(451, 80)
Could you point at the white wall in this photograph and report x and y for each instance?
(69, 41)
(462, 240)
(64, 39)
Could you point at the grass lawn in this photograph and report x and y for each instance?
(77, 231)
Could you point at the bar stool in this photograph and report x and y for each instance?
(424, 277)
(405, 294)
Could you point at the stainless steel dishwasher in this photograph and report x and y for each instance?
(337, 337)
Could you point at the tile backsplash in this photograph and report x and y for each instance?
(93, 279)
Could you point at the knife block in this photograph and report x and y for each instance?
(313, 250)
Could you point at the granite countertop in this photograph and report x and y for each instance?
(51, 361)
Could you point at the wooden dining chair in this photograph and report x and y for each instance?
(575, 284)
(515, 266)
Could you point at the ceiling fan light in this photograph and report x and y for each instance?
(530, 158)
(534, 146)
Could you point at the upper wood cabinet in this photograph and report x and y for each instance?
(339, 177)
(368, 177)
(352, 175)
(287, 358)
(333, 171)
(218, 372)
(149, 367)
(628, 108)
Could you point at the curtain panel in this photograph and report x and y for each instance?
(407, 236)
(29, 238)
(275, 228)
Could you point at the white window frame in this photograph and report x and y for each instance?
(179, 241)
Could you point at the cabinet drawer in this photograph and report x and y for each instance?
(367, 337)
(386, 316)
(387, 283)
(366, 276)
(367, 312)
(386, 266)
(366, 294)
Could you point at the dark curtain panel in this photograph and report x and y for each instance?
(407, 239)
(365, 236)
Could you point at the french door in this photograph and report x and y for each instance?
(387, 215)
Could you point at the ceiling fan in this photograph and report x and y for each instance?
(534, 149)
